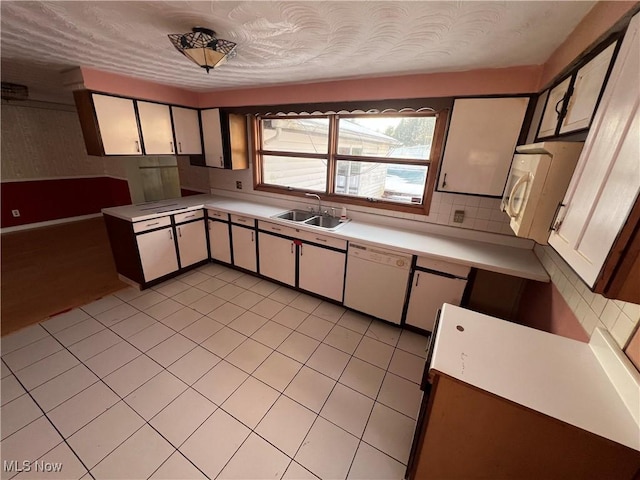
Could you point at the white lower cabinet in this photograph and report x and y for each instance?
(192, 243)
(219, 242)
(277, 258)
(157, 253)
(428, 292)
(321, 271)
(244, 247)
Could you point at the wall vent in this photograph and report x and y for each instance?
(13, 91)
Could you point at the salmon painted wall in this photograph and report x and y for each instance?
(542, 307)
(593, 26)
(135, 88)
(473, 82)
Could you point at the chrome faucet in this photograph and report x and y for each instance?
(315, 195)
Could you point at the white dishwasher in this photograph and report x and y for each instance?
(376, 281)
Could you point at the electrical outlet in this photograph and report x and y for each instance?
(15, 213)
(458, 216)
(238, 184)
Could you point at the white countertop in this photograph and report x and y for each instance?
(514, 261)
(554, 375)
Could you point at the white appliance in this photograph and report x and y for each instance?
(538, 179)
(376, 281)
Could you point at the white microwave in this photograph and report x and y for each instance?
(538, 179)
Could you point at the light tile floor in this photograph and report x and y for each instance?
(217, 375)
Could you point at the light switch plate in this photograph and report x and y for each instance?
(458, 216)
(15, 213)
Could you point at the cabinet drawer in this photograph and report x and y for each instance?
(323, 240)
(218, 214)
(444, 267)
(243, 220)
(151, 224)
(278, 229)
(188, 216)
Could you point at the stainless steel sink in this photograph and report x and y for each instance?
(323, 222)
(296, 215)
(304, 217)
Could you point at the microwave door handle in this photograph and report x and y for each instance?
(521, 181)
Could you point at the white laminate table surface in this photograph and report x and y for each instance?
(554, 375)
(508, 260)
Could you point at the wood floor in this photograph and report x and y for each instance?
(52, 269)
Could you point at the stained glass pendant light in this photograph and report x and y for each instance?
(201, 46)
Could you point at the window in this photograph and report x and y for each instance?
(382, 160)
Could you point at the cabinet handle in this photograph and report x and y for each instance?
(444, 181)
(417, 280)
(252, 236)
(209, 225)
(300, 249)
(557, 221)
(558, 103)
(276, 229)
(170, 235)
(221, 162)
(179, 232)
(137, 146)
(321, 239)
(171, 144)
(180, 147)
(152, 224)
(291, 247)
(190, 216)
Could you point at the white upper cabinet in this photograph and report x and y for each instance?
(606, 181)
(212, 133)
(118, 126)
(586, 91)
(155, 123)
(553, 109)
(483, 134)
(186, 125)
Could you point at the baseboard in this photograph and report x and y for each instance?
(48, 223)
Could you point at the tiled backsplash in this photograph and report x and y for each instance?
(591, 309)
(480, 213)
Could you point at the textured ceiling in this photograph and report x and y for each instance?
(279, 42)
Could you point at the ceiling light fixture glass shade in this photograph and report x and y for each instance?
(201, 46)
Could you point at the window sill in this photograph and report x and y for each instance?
(344, 199)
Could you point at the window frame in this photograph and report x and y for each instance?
(332, 156)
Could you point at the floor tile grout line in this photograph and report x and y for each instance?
(122, 399)
(44, 414)
(320, 410)
(362, 335)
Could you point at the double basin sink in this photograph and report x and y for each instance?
(325, 222)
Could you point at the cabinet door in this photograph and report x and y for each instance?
(187, 129)
(482, 138)
(244, 247)
(118, 126)
(586, 90)
(157, 253)
(277, 258)
(428, 293)
(155, 123)
(321, 271)
(219, 242)
(192, 243)
(606, 181)
(552, 110)
(212, 133)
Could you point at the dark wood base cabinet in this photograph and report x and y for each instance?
(468, 433)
